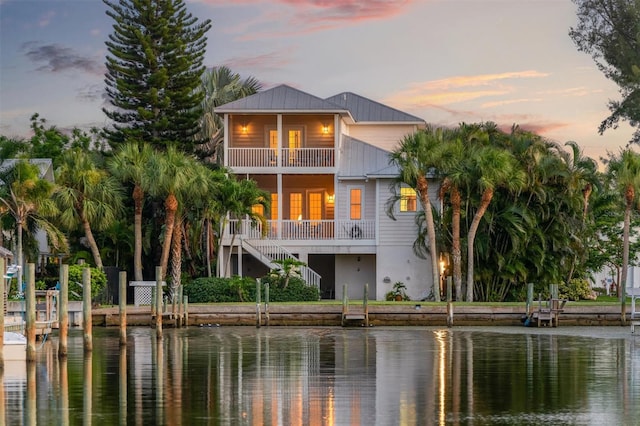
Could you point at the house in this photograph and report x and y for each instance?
(325, 163)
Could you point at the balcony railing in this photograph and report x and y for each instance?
(285, 157)
(307, 230)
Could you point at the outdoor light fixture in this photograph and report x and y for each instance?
(325, 129)
(244, 129)
(330, 198)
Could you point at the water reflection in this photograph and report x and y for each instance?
(329, 376)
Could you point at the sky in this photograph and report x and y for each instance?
(445, 61)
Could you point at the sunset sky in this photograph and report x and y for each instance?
(446, 61)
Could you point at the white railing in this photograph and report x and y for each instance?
(273, 251)
(312, 230)
(285, 157)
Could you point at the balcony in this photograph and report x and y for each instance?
(306, 230)
(284, 157)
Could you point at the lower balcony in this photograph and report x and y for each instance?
(309, 230)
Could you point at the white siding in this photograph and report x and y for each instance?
(382, 136)
(396, 259)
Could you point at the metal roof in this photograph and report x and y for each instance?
(360, 160)
(281, 98)
(365, 110)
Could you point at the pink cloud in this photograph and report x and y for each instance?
(308, 16)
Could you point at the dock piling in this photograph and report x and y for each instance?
(86, 310)
(64, 311)
(122, 302)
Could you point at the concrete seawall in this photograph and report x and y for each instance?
(379, 315)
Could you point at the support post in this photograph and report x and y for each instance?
(529, 298)
(180, 318)
(186, 310)
(30, 302)
(258, 316)
(64, 311)
(159, 302)
(449, 303)
(86, 310)
(122, 299)
(266, 304)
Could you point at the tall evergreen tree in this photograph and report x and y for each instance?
(608, 31)
(154, 70)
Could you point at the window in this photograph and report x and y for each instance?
(295, 206)
(274, 206)
(315, 205)
(408, 200)
(257, 209)
(295, 138)
(355, 206)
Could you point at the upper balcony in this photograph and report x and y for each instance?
(284, 157)
(281, 141)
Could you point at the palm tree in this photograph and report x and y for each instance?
(237, 199)
(87, 197)
(168, 173)
(488, 168)
(129, 164)
(27, 198)
(220, 86)
(200, 231)
(452, 163)
(195, 189)
(417, 159)
(625, 171)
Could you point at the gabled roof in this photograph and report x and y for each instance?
(360, 160)
(281, 98)
(364, 110)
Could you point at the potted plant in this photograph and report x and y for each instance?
(398, 293)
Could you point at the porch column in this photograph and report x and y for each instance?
(280, 212)
(226, 141)
(240, 258)
(279, 175)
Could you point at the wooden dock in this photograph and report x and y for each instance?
(353, 314)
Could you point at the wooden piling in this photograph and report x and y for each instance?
(529, 299)
(159, 302)
(185, 300)
(449, 303)
(30, 302)
(63, 299)
(179, 320)
(258, 315)
(87, 323)
(122, 303)
(266, 304)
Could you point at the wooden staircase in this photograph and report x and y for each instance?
(355, 314)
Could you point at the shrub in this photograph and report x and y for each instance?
(98, 282)
(237, 289)
(577, 289)
(296, 289)
(218, 290)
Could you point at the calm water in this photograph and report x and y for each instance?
(332, 376)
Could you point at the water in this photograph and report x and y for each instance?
(332, 376)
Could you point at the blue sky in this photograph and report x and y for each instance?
(446, 61)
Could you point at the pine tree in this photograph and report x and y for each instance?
(154, 70)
